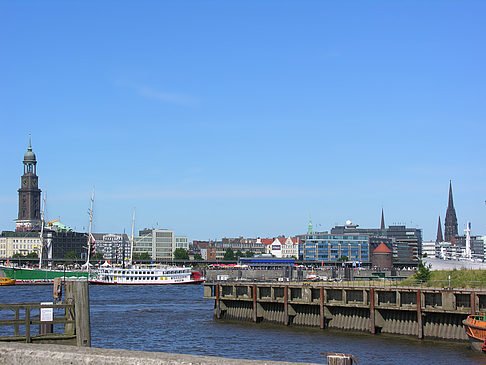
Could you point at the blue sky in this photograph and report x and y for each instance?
(228, 118)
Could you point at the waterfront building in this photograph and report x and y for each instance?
(113, 246)
(406, 243)
(158, 243)
(382, 257)
(182, 242)
(244, 245)
(19, 242)
(29, 217)
(477, 246)
(333, 247)
(282, 247)
(429, 248)
(450, 220)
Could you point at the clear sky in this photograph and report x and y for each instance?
(228, 118)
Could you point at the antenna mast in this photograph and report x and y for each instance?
(131, 238)
(89, 231)
(41, 243)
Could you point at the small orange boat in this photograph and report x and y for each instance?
(476, 331)
(6, 281)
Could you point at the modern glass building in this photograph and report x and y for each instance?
(331, 247)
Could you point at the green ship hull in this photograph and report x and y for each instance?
(38, 275)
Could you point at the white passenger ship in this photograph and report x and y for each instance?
(146, 274)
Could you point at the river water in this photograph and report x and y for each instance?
(177, 319)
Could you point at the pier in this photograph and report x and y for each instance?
(72, 314)
(415, 311)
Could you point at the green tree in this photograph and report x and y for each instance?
(239, 254)
(198, 257)
(250, 254)
(423, 273)
(181, 254)
(144, 256)
(229, 255)
(343, 259)
(32, 255)
(71, 255)
(16, 255)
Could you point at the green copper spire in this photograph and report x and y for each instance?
(310, 229)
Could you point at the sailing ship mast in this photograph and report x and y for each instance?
(131, 238)
(89, 231)
(41, 242)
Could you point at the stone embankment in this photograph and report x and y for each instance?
(33, 354)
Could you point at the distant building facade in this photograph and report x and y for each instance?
(158, 243)
(182, 242)
(333, 247)
(113, 246)
(22, 243)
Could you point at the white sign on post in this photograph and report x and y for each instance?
(47, 314)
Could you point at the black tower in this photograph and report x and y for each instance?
(29, 194)
(439, 233)
(450, 220)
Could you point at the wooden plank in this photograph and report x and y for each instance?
(16, 326)
(27, 325)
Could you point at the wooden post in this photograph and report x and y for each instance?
(81, 310)
(218, 305)
(286, 305)
(254, 303)
(420, 329)
(372, 310)
(473, 303)
(27, 325)
(321, 296)
(16, 326)
(69, 328)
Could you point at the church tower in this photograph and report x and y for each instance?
(450, 231)
(29, 194)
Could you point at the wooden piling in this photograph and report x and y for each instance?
(254, 303)
(81, 310)
(321, 307)
(286, 305)
(372, 310)
(420, 329)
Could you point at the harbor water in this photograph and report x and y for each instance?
(177, 319)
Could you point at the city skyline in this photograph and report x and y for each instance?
(244, 119)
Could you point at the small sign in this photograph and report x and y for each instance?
(47, 314)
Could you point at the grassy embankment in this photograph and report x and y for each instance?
(462, 278)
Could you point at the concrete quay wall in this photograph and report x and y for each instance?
(421, 312)
(296, 274)
(34, 354)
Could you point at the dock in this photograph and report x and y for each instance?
(416, 311)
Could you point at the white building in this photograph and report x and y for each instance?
(159, 243)
(285, 247)
(428, 249)
(181, 242)
(23, 243)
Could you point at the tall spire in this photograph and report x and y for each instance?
(439, 238)
(451, 200)
(450, 218)
(382, 227)
(310, 229)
